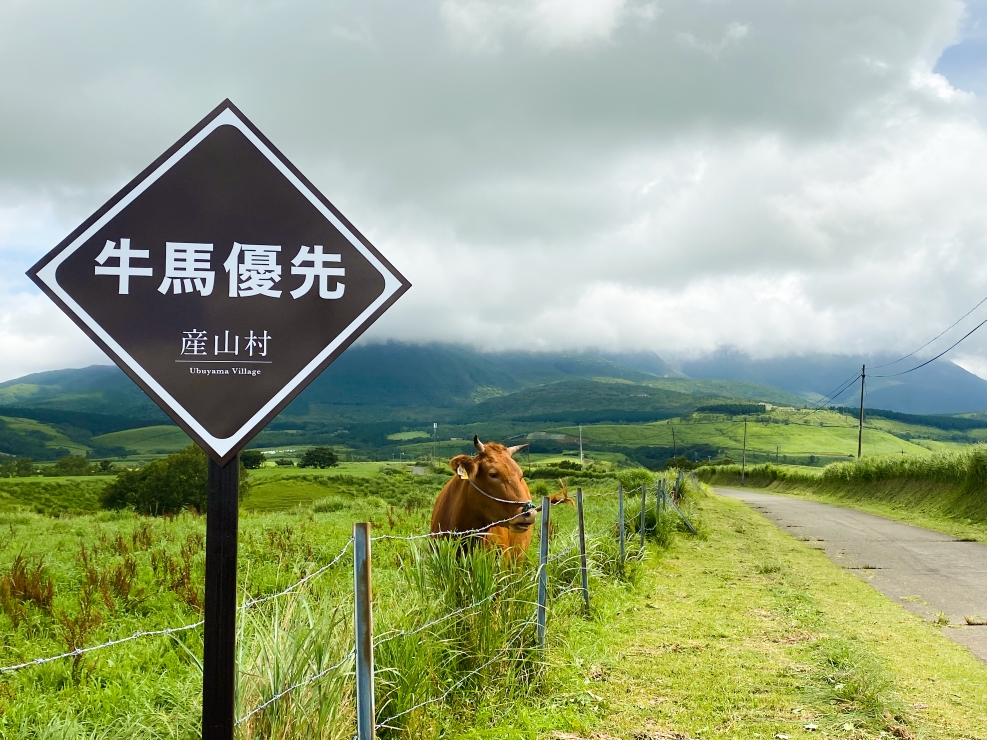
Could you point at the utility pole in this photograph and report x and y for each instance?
(580, 445)
(860, 431)
(435, 432)
(674, 453)
(743, 462)
(777, 452)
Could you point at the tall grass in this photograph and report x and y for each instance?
(280, 650)
(953, 483)
(454, 627)
(465, 626)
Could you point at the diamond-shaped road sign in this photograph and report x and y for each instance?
(221, 281)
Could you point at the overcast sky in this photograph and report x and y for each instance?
(674, 176)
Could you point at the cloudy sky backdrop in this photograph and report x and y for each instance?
(671, 175)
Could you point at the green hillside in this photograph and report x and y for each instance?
(154, 440)
(30, 438)
(782, 436)
(379, 401)
(728, 389)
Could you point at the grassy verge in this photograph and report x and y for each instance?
(751, 634)
(946, 492)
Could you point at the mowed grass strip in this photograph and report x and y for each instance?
(751, 634)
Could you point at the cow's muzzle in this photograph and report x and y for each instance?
(525, 519)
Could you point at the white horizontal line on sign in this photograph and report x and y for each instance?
(229, 362)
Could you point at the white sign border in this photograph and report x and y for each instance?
(221, 446)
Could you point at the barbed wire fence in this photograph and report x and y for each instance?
(359, 659)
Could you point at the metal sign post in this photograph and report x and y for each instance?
(219, 638)
(222, 282)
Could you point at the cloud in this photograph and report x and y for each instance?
(732, 34)
(483, 25)
(603, 173)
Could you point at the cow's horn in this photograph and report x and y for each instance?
(477, 443)
(516, 448)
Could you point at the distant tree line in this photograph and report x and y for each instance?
(937, 421)
(731, 409)
(24, 467)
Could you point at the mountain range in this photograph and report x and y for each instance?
(374, 390)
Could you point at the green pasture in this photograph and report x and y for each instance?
(741, 633)
(156, 440)
(53, 437)
(726, 389)
(275, 489)
(824, 434)
(55, 495)
(404, 436)
(357, 469)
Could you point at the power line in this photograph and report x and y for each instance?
(833, 395)
(903, 372)
(889, 364)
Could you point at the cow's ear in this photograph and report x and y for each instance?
(462, 465)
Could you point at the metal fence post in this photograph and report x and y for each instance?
(365, 715)
(644, 506)
(657, 505)
(546, 509)
(620, 523)
(582, 548)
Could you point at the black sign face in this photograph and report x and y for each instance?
(221, 281)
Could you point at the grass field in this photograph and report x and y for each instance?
(55, 495)
(55, 438)
(742, 633)
(156, 440)
(274, 489)
(777, 435)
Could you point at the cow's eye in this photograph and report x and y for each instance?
(494, 474)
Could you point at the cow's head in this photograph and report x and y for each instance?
(493, 474)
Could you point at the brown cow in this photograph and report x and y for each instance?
(489, 494)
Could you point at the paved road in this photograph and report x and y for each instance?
(926, 572)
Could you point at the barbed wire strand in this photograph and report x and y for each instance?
(388, 636)
(299, 583)
(408, 538)
(82, 651)
(300, 684)
(171, 630)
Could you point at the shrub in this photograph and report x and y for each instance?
(539, 490)
(251, 459)
(167, 486)
(635, 478)
(69, 465)
(25, 467)
(680, 462)
(319, 457)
